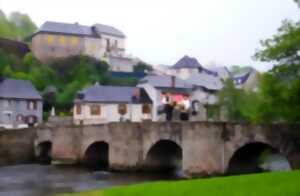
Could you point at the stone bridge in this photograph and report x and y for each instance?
(198, 148)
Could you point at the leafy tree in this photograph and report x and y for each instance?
(24, 25)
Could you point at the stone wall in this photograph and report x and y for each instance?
(16, 146)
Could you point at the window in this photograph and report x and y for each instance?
(122, 109)
(107, 45)
(50, 39)
(7, 117)
(62, 40)
(116, 43)
(7, 103)
(74, 41)
(32, 105)
(95, 110)
(78, 109)
(19, 118)
(146, 109)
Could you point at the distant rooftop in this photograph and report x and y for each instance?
(18, 89)
(113, 94)
(187, 62)
(78, 29)
(205, 80)
(165, 81)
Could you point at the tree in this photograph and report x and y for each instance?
(280, 88)
(142, 67)
(24, 24)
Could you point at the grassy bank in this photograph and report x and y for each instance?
(269, 184)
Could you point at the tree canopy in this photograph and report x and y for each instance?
(16, 26)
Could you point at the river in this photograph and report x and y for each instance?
(39, 180)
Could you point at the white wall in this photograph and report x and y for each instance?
(109, 113)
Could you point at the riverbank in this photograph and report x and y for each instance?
(273, 184)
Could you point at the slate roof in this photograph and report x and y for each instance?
(106, 29)
(18, 89)
(112, 94)
(205, 80)
(241, 78)
(164, 81)
(78, 29)
(187, 62)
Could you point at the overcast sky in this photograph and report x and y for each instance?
(224, 32)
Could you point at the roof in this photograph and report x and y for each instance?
(241, 78)
(66, 28)
(187, 62)
(207, 81)
(113, 94)
(164, 81)
(222, 72)
(109, 30)
(18, 89)
(78, 29)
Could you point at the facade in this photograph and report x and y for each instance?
(20, 104)
(103, 104)
(59, 40)
(158, 86)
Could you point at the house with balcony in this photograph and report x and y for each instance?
(103, 104)
(20, 104)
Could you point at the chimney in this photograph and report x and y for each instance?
(173, 81)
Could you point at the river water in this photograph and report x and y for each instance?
(39, 180)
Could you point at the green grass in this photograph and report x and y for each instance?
(269, 184)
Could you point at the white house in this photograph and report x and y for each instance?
(103, 104)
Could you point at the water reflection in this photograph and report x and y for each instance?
(39, 180)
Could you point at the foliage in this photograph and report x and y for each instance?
(275, 184)
(143, 67)
(64, 77)
(16, 26)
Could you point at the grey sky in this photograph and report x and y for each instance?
(225, 32)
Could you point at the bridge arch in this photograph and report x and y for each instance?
(164, 156)
(249, 158)
(96, 156)
(44, 152)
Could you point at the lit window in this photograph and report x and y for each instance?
(74, 41)
(95, 110)
(62, 40)
(122, 109)
(50, 39)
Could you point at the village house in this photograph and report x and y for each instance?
(59, 40)
(159, 87)
(103, 104)
(20, 104)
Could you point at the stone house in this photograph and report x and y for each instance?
(20, 104)
(103, 104)
(59, 40)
